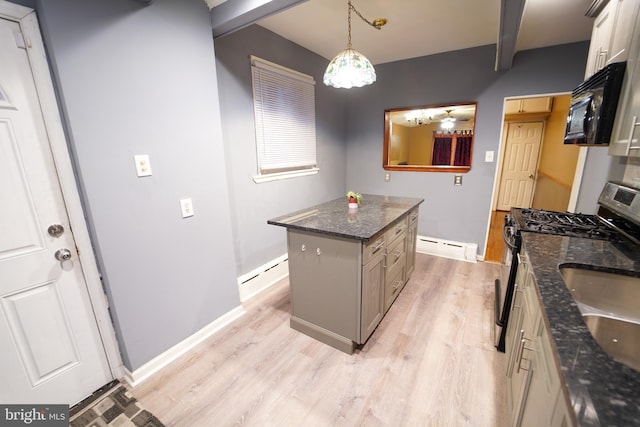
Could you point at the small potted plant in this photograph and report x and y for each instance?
(354, 199)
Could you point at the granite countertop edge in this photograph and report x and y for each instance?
(601, 390)
(334, 218)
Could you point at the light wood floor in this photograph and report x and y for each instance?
(431, 362)
(495, 244)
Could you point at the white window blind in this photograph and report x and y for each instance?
(284, 108)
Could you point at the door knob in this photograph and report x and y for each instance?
(63, 254)
(531, 176)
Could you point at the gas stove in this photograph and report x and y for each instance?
(618, 218)
(562, 224)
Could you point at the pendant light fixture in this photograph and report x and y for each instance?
(350, 68)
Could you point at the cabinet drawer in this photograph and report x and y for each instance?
(396, 230)
(396, 266)
(412, 217)
(395, 252)
(394, 281)
(372, 248)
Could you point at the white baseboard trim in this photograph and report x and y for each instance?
(259, 279)
(154, 365)
(447, 248)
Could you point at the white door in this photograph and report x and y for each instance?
(519, 165)
(52, 351)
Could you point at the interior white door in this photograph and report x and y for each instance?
(519, 165)
(52, 351)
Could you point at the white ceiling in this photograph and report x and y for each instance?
(425, 27)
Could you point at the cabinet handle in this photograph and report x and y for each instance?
(384, 263)
(516, 289)
(379, 244)
(634, 124)
(602, 59)
(521, 349)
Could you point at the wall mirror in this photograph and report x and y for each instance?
(430, 138)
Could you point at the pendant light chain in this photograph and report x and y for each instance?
(376, 23)
(349, 22)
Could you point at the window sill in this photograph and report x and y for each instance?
(258, 179)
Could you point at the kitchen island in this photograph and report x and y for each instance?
(347, 266)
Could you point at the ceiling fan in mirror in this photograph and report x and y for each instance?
(428, 116)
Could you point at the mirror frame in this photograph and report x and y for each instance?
(423, 168)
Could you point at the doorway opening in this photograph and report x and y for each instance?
(535, 168)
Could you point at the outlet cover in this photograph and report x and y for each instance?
(143, 164)
(186, 206)
(457, 180)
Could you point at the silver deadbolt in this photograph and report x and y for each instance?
(63, 254)
(55, 230)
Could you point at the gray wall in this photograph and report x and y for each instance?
(253, 204)
(599, 167)
(450, 212)
(352, 131)
(142, 80)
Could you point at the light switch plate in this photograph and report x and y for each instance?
(186, 206)
(143, 164)
(488, 156)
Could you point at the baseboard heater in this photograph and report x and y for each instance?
(262, 277)
(447, 248)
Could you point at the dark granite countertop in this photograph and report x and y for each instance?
(603, 392)
(334, 218)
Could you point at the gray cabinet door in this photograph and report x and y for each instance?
(412, 236)
(324, 276)
(372, 295)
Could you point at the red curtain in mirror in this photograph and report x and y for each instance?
(441, 150)
(463, 151)
(452, 149)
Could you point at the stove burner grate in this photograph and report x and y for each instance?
(566, 224)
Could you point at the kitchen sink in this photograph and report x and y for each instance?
(619, 338)
(615, 294)
(610, 307)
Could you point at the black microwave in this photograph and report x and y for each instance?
(593, 107)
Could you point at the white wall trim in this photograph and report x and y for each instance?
(577, 179)
(144, 372)
(260, 278)
(26, 17)
(447, 248)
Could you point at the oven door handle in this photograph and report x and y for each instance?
(506, 240)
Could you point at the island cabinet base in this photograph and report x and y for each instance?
(324, 273)
(342, 287)
(323, 335)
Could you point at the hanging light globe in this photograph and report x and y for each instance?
(349, 69)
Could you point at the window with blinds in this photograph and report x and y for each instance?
(284, 108)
